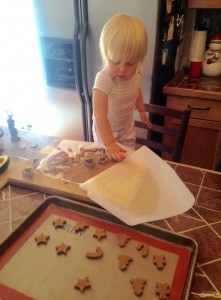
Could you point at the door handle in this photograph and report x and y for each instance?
(77, 66)
(83, 39)
(198, 108)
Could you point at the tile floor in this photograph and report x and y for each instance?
(202, 223)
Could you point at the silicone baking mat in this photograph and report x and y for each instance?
(31, 271)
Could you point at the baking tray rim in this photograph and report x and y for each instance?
(93, 210)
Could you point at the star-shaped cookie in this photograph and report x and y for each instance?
(59, 223)
(99, 234)
(62, 249)
(42, 239)
(82, 284)
(80, 226)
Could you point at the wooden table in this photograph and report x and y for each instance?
(21, 156)
(19, 196)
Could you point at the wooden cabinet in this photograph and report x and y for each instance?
(204, 3)
(202, 96)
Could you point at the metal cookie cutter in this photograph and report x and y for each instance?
(28, 172)
(35, 163)
(103, 159)
(89, 162)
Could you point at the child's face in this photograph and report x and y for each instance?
(122, 70)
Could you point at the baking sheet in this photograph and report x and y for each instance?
(158, 238)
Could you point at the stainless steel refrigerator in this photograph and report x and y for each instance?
(69, 32)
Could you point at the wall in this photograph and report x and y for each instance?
(189, 27)
(210, 20)
(200, 19)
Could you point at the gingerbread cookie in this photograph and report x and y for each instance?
(62, 249)
(59, 223)
(162, 290)
(159, 261)
(143, 247)
(42, 239)
(123, 239)
(80, 226)
(138, 285)
(82, 284)
(124, 261)
(97, 254)
(99, 234)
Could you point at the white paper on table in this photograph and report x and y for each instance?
(63, 145)
(170, 198)
(75, 147)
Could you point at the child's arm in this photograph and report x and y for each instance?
(141, 109)
(100, 110)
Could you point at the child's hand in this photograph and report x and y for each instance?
(115, 152)
(144, 119)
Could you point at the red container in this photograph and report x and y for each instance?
(195, 68)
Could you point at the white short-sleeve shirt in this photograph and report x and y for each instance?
(122, 96)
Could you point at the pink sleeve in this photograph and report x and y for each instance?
(103, 82)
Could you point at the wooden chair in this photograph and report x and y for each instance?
(172, 132)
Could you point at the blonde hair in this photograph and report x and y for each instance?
(124, 37)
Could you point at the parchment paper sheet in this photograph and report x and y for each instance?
(171, 196)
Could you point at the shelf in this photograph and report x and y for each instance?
(204, 3)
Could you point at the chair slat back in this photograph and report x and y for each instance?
(169, 131)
